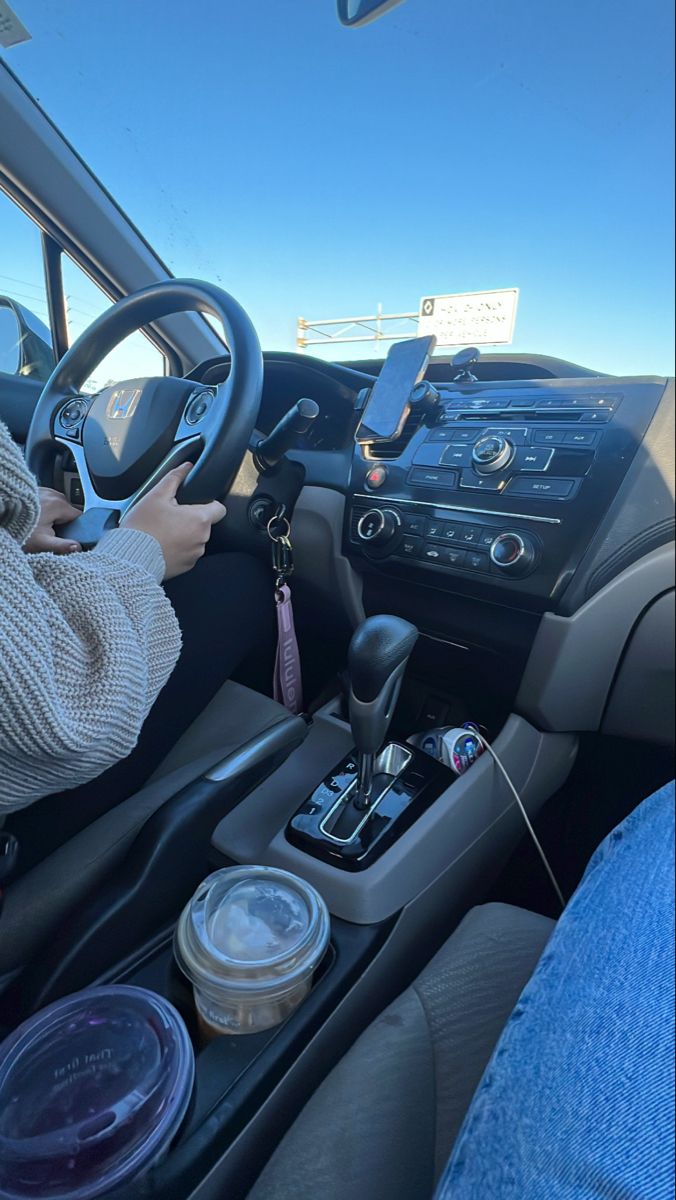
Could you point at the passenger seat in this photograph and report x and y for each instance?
(578, 1098)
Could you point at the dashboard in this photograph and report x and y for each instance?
(498, 489)
(524, 522)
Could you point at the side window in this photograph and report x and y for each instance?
(25, 337)
(135, 358)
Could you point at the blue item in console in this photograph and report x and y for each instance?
(578, 1098)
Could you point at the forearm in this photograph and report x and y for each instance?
(87, 643)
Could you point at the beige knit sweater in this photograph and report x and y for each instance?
(86, 643)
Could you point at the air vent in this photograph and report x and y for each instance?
(392, 449)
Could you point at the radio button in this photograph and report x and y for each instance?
(484, 483)
(441, 435)
(518, 436)
(457, 456)
(580, 438)
(544, 489)
(492, 453)
(468, 436)
(537, 458)
(550, 437)
(429, 477)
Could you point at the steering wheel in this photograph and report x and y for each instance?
(127, 436)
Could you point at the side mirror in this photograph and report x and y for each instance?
(360, 12)
(25, 342)
(10, 340)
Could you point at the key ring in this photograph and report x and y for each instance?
(280, 537)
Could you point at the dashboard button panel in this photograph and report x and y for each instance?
(497, 462)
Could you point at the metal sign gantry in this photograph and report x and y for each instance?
(383, 327)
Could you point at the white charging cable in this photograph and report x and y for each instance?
(536, 842)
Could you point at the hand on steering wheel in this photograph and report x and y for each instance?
(182, 530)
(128, 436)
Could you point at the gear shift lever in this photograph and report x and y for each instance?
(377, 658)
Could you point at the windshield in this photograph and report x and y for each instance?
(325, 173)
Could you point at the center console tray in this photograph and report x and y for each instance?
(235, 1074)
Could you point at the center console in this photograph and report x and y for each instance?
(496, 487)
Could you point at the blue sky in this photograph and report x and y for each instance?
(452, 146)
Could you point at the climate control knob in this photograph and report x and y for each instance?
(514, 553)
(378, 526)
(492, 453)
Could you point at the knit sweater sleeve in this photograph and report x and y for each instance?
(86, 643)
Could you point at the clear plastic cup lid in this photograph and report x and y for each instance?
(249, 926)
(92, 1091)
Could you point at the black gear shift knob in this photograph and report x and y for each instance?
(377, 658)
(379, 646)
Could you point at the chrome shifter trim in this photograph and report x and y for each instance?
(383, 761)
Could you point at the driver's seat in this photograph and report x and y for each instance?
(240, 737)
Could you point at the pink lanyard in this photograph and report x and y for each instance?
(288, 685)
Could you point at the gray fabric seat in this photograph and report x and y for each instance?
(382, 1124)
(42, 897)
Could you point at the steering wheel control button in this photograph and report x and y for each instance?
(429, 477)
(198, 408)
(72, 414)
(534, 458)
(543, 489)
(376, 476)
(378, 526)
(76, 493)
(492, 453)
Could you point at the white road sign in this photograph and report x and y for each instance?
(470, 318)
(11, 30)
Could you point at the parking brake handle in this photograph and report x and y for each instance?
(377, 658)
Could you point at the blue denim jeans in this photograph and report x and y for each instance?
(577, 1101)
